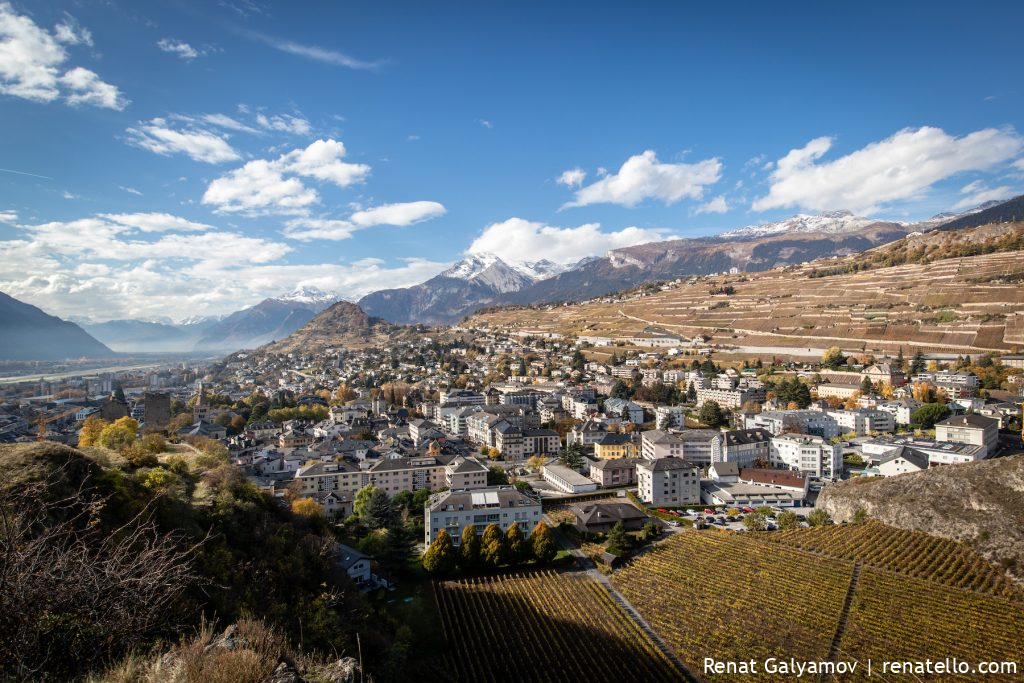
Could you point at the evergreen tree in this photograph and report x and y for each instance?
(866, 387)
(711, 414)
(901, 362)
(691, 392)
(469, 551)
(571, 456)
(618, 541)
(515, 544)
(543, 544)
(492, 546)
(918, 365)
(440, 556)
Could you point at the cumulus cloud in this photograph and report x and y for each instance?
(400, 215)
(572, 178)
(265, 186)
(162, 137)
(154, 222)
(644, 177)
(901, 167)
(978, 193)
(8, 217)
(31, 59)
(716, 205)
(179, 48)
(517, 239)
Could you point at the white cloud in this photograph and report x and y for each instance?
(225, 121)
(8, 217)
(716, 205)
(69, 195)
(517, 239)
(130, 190)
(486, 124)
(160, 137)
(978, 193)
(87, 88)
(1019, 164)
(901, 167)
(179, 48)
(285, 124)
(319, 54)
(572, 178)
(154, 222)
(261, 186)
(400, 215)
(31, 57)
(71, 32)
(644, 177)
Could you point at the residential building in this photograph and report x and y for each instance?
(465, 473)
(599, 518)
(614, 472)
(885, 373)
(508, 439)
(668, 481)
(329, 477)
(501, 505)
(729, 398)
(394, 474)
(976, 430)
(902, 460)
(813, 422)
(355, 564)
(540, 442)
(838, 390)
(627, 410)
(812, 455)
(666, 417)
(566, 480)
(861, 421)
(657, 443)
(746, 446)
(587, 434)
(901, 410)
(701, 446)
(616, 445)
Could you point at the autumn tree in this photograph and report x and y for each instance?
(833, 358)
(92, 428)
(515, 544)
(493, 550)
(469, 550)
(543, 544)
(307, 507)
(788, 520)
(440, 556)
(819, 517)
(119, 435)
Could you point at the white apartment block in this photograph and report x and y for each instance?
(976, 430)
(669, 416)
(812, 455)
(861, 421)
(501, 505)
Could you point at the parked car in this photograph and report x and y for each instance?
(747, 510)
(675, 513)
(662, 510)
(730, 518)
(708, 511)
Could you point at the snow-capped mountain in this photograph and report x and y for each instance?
(500, 274)
(309, 295)
(829, 222)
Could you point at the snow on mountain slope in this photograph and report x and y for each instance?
(826, 222)
(309, 295)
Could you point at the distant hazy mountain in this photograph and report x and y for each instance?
(27, 333)
(477, 280)
(271, 319)
(343, 324)
(144, 336)
(990, 212)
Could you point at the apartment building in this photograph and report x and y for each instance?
(327, 477)
(668, 481)
(614, 472)
(745, 446)
(861, 421)
(616, 445)
(975, 430)
(394, 474)
(812, 455)
(501, 505)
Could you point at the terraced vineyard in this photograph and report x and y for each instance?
(543, 626)
(733, 597)
(953, 305)
(909, 552)
(897, 618)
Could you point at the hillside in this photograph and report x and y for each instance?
(141, 335)
(343, 324)
(28, 333)
(268, 321)
(946, 292)
(980, 504)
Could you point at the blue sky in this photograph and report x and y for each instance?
(193, 159)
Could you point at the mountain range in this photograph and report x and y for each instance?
(27, 333)
(484, 280)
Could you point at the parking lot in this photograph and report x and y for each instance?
(712, 520)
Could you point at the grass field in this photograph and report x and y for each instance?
(543, 626)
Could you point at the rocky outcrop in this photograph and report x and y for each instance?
(979, 504)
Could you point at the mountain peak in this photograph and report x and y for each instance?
(831, 222)
(308, 295)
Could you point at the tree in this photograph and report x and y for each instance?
(711, 414)
(571, 456)
(535, 462)
(918, 364)
(788, 520)
(755, 522)
(496, 476)
(927, 415)
(691, 392)
(119, 435)
(543, 544)
(515, 544)
(819, 517)
(901, 362)
(373, 507)
(307, 507)
(618, 541)
(440, 556)
(469, 550)
(866, 387)
(492, 546)
(92, 428)
(651, 530)
(833, 358)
